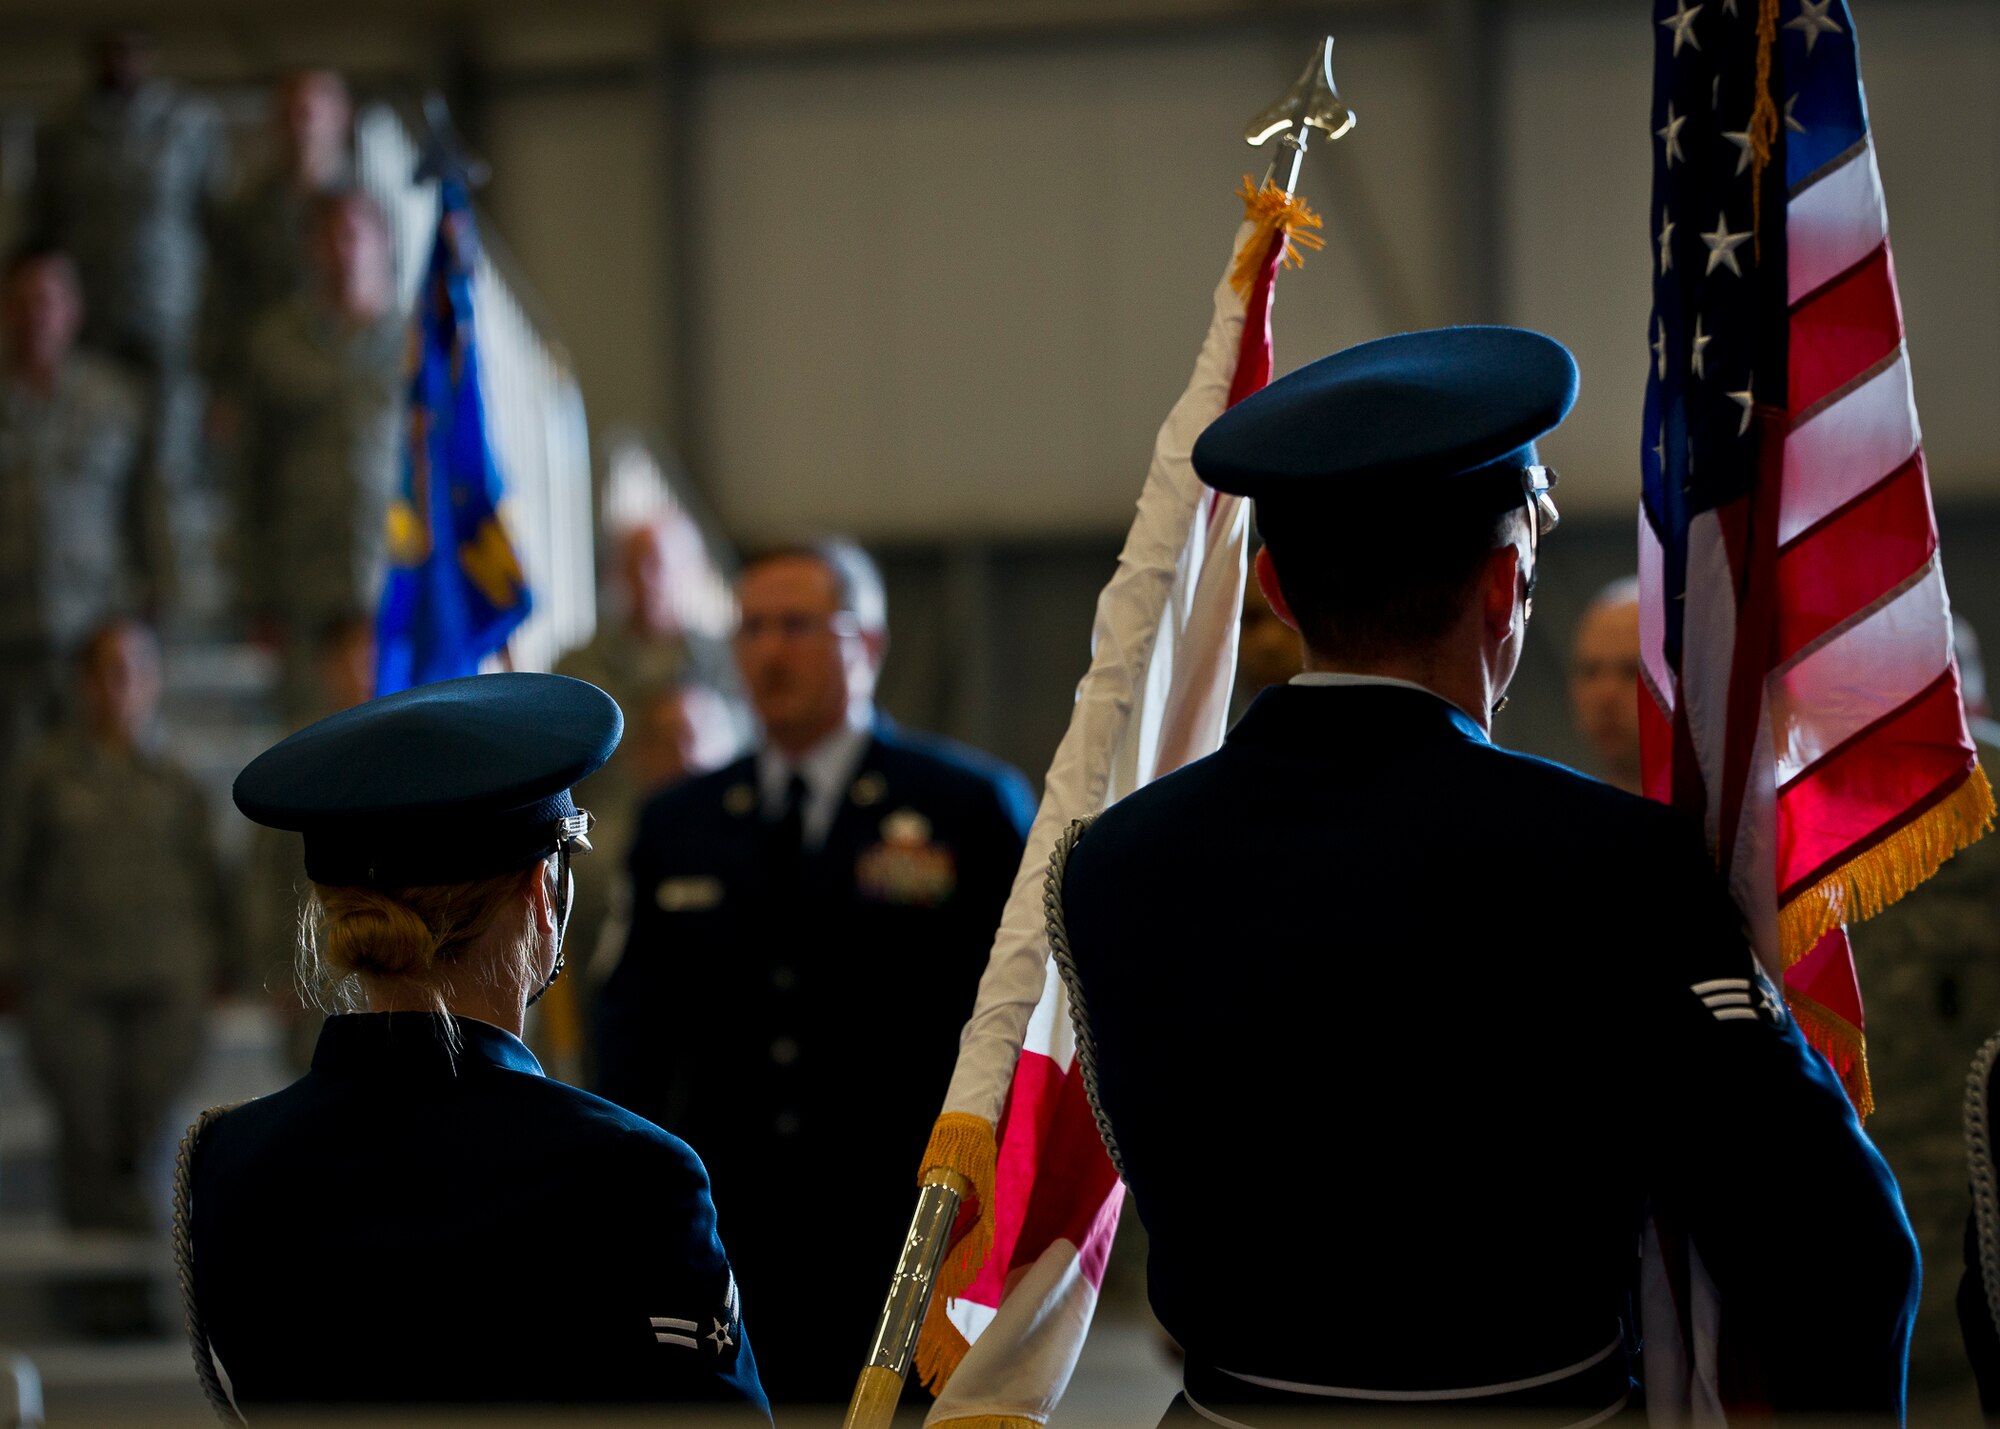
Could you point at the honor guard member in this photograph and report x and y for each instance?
(1468, 1011)
(809, 927)
(368, 1234)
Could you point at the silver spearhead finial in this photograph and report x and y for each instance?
(1311, 103)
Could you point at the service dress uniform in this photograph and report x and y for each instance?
(802, 956)
(1421, 1027)
(413, 1169)
(82, 530)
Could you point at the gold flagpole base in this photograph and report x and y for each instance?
(876, 1395)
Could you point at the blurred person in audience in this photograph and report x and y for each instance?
(1930, 974)
(122, 921)
(1267, 650)
(374, 1233)
(809, 925)
(344, 668)
(257, 234)
(1604, 682)
(82, 526)
(123, 182)
(325, 443)
(670, 683)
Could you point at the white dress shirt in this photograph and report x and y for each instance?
(828, 769)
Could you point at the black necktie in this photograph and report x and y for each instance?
(788, 830)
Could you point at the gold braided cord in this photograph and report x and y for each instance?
(1763, 119)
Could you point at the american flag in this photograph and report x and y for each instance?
(1799, 693)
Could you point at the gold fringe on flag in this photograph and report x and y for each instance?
(1272, 210)
(1843, 1045)
(987, 1421)
(964, 1145)
(1864, 886)
(940, 1347)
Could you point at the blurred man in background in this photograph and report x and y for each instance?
(1604, 682)
(82, 529)
(258, 236)
(809, 925)
(119, 912)
(1930, 972)
(326, 406)
(672, 687)
(122, 183)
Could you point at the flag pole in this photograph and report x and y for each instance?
(1312, 102)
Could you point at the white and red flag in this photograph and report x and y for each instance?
(1020, 1282)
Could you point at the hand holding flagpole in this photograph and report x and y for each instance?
(1155, 696)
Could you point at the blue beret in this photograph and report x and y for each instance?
(1408, 421)
(443, 783)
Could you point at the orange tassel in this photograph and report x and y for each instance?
(1272, 211)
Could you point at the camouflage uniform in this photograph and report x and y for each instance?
(82, 530)
(257, 244)
(326, 410)
(122, 184)
(120, 924)
(1930, 974)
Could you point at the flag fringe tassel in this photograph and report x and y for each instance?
(1272, 211)
(940, 1347)
(988, 1421)
(966, 1145)
(1865, 885)
(1844, 1046)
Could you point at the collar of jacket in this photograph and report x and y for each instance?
(1343, 720)
(405, 1045)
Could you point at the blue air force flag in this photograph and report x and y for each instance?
(455, 591)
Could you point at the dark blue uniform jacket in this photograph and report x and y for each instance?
(409, 1223)
(800, 1026)
(1398, 1033)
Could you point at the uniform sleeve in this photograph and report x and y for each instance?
(1760, 1156)
(148, 535)
(684, 1291)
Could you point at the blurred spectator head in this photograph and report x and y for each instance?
(1267, 650)
(651, 556)
(1604, 681)
(313, 116)
(680, 730)
(346, 659)
(122, 59)
(118, 667)
(41, 307)
(810, 639)
(352, 253)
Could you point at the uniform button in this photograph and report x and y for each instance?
(784, 1051)
(784, 978)
(787, 1123)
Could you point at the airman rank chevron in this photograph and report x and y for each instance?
(1739, 999)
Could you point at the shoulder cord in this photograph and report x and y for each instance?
(1065, 961)
(1979, 1165)
(183, 1238)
